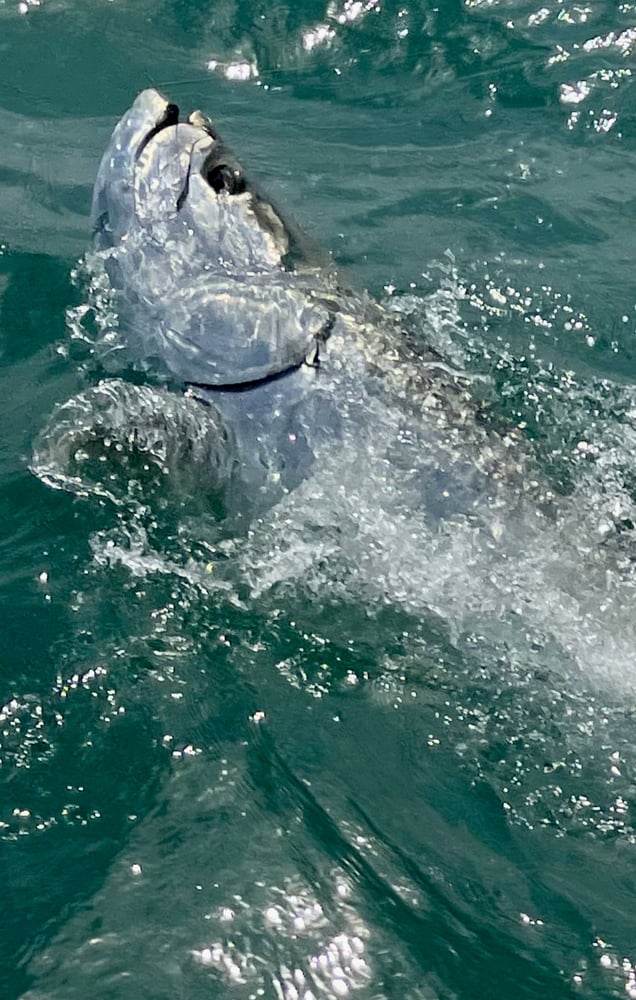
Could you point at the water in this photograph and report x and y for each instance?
(346, 752)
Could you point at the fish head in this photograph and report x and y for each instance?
(212, 279)
(159, 170)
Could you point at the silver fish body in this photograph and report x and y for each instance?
(212, 291)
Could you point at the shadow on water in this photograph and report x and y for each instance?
(447, 942)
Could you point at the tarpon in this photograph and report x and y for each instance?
(212, 291)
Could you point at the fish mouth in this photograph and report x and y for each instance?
(197, 149)
(162, 164)
(170, 117)
(196, 132)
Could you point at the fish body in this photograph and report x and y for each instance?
(207, 288)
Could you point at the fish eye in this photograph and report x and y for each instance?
(225, 178)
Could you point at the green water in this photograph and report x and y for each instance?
(350, 754)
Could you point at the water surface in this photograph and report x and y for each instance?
(350, 752)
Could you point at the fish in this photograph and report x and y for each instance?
(248, 338)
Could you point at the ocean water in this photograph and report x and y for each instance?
(346, 752)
